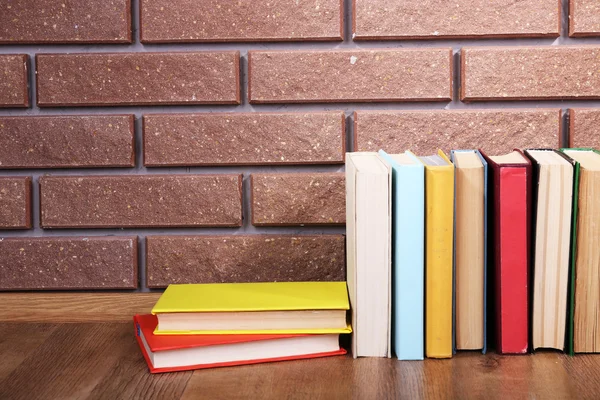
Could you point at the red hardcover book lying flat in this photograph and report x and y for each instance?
(169, 353)
(511, 198)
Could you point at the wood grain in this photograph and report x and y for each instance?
(102, 361)
(69, 364)
(74, 307)
(17, 341)
(130, 379)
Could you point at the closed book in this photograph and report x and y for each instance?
(439, 232)
(244, 308)
(408, 254)
(510, 192)
(470, 250)
(183, 353)
(551, 208)
(368, 253)
(584, 292)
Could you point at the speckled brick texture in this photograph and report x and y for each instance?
(247, 258)
(15, 202)
(431, 19)
(56, 263)
(50, 21)
(298, 199)
(424, 132)
(240, 21)
(214, 132)
(244, 138)
(67, 141)
(350, 75)
(13, 80)
(584, 18)
(584, 128)
(138, 78)
(530, 73)
(141, 201)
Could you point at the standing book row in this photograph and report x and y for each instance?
(196, 326)
(449, 254)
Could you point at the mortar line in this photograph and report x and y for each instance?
(174, 231)
(141, 264)
(566, 128)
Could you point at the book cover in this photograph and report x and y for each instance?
(147, 324)
(485, 252)
(510, 198)
(262, 296)
(247, 297)
(408, 257)
(439, 240)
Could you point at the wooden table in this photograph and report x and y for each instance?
(95, 359)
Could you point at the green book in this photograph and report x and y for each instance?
(573, 271)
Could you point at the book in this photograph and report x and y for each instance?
(552, 202)
(408, 254)
(439, 232)
(182, 353)
(470, 249)
(584, 315)
(368, 252)
(264, 307)
(510, 193)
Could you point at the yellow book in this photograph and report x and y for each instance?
(252, 308)
(439, 227)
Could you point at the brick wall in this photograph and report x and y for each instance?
(147, 142)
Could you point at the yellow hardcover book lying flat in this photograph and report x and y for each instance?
(238, 308)
(439, 227)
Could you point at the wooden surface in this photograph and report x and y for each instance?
(74, 307)
(103, 361)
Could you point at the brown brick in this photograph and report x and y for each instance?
(68, 263)
(298, 199)
(247, 258)
(430, 19)
(140, 201)
(13, 80)
(244, 139)
(67, 141)
(530, 73)
(49, 21)
(584, 18)
(424, 132)
(15, 202)
(350, 75)
(138, 79)
(239, 21)
(584, 128)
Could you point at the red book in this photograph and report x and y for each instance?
(510, 187)
(169, 353)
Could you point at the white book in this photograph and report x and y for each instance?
(368, 236)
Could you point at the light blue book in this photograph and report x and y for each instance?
(408, 254)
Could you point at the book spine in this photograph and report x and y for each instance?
(439, 191)
(512, 259)
(409, 248)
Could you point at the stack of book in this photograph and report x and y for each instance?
(196, 326)
(446, 253)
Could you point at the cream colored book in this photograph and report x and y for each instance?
(553, 196)
(469, 250)
(368, 235)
